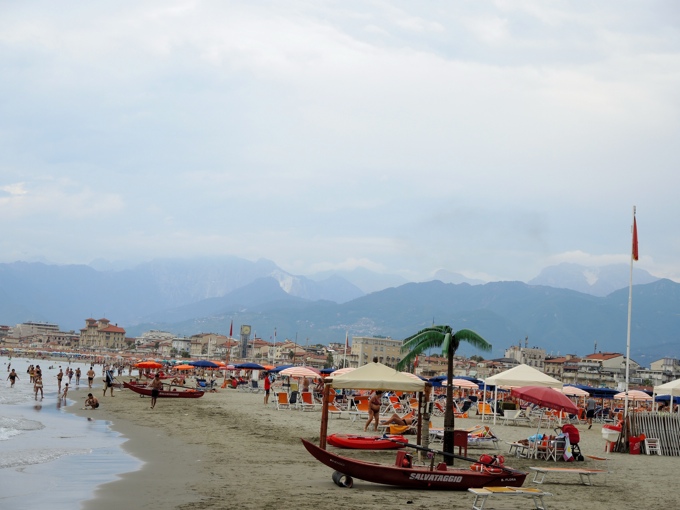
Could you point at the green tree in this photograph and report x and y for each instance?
(444, 337)
(329, 360)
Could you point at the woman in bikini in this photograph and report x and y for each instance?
(374, 410)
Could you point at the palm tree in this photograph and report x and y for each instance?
(444, 337)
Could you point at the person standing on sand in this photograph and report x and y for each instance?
(590, 411)
(90, 377)
(267, 388)
(374, 410)
(12, 377)
(156, 386)
(108, 380)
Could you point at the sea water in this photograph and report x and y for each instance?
(49, 457)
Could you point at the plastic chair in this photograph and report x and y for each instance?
(652, 445)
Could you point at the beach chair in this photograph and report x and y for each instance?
(307, 402)
(395, 406)
(485, 409)
(282, 401)
(360, 410)
(334, 409)
(438, 409)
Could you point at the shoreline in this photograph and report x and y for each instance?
(227, 449)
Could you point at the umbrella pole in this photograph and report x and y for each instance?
(324, 416)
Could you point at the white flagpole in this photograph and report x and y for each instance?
(630, 309)
(344, 360)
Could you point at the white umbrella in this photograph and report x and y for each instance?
(341, 371)
(635, 395)
(461, 383)
(572, 391)
(299, 372)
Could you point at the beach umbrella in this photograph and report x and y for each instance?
(249, 366)
(634, 395)
(573, 391)
(184, 367)
(149, 364)
(461, 383)
(341, 371)
(299, 372)
(278, 369)
(203, 363)
(545, 397)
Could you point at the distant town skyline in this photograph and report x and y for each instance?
(488, 139)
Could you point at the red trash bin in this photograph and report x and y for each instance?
(634, 444)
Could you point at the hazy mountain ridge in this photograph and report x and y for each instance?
(180, 297)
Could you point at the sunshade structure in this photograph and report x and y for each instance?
(278, 369)
(634, 395)
(149, 364)
(545, 397)
(461, 383)
(341, 371)
(372, 376)
(184, 367)
(376, 376)
(518, 377)
(203, 363)
(299, 372)
(573, 391)
(672, 389)
(249, 366)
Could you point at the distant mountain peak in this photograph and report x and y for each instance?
(597, 281)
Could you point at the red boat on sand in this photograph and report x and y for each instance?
(439, 477)
(145, 391)
(366, 442)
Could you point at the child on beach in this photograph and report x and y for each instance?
(63, 395)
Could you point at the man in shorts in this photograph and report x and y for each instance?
(91, 402)
(108, 380)
(156, 386)
(90, 377)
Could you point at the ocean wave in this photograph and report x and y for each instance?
(10, 427)
(21, 458)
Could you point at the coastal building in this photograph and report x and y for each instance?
(532, 356)
(101, 334)
(387, 351)
(557, 367)
(205, 344)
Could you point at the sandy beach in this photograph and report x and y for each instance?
(228, 450)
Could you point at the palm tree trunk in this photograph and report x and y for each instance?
(448, 414)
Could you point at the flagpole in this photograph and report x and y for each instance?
(344, 359)
(633, 256)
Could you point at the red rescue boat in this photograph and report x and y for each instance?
(402, 474)
(366, 442)
(146, 391)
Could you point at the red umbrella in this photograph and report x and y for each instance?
(545, 397)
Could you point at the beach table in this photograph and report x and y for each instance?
(483, 494)
(584, 474)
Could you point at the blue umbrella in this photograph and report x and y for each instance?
(279, 368)
(203, 363)
(249, 366)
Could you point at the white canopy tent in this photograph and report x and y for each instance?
(376, 376)
(670, 388)
(517, 377)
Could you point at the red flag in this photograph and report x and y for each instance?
(231, 329)
(635, 240)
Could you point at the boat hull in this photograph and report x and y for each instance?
(145, 391)
(365, 442)
(414, 478)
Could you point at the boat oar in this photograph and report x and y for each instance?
(453, 455)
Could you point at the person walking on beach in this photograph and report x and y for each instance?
(108, 380)
(12, 377)
(156, 386)
(38, 387)
(90, 377)
(70, 373)
(91, 402)
(374, 410)
(78, 376)
(60, 376)
(590, 411)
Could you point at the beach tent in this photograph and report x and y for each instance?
(372, 376)
(517, 377)
(376, 376)
(672, 389)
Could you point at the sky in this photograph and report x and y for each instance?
(487, 138)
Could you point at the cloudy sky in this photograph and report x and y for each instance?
(486, 138)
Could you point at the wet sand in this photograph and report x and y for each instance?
(227, 450)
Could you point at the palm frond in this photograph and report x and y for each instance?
(472, 338)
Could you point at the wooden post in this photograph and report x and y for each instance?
(324, 414)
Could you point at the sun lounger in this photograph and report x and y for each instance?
(481, 495)
(359, 411)
(307, 403)
(584, 474)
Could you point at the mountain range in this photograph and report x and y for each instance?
(207, 295)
